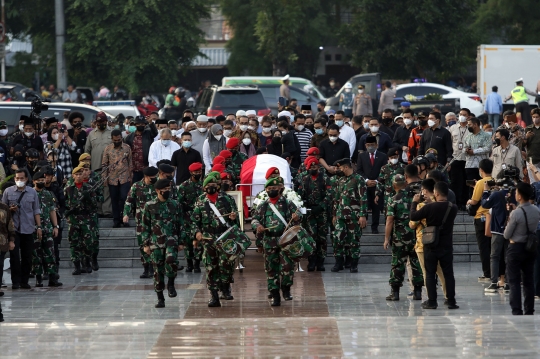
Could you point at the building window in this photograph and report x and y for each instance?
(327, 57)
(338, 57)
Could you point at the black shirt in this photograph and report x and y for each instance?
(182, 160)
(439, 139)
(332, 152)
(28, 142)
(434, 214)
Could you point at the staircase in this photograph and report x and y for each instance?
(119, 248)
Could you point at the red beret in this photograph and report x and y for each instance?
(218, 168)
(225, 154)
(271, 171)
(232, 143)
(195, 166)
(218, 159)
(310, 160)
(312, 151)
(226, 176)
(101, 116)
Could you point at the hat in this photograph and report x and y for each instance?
(38, 175)
(50, 120)
(226, 154)
(330, 113)
(398, 117)
(163, 161)
(27, 120)
(371, 139)
(271, 171)
(432, 150)
(161, 122)
(84, 156)
(240, 113)
(140, 119)
(276, 181)
(394, 151)
(165, 168)
(436, 107)
(226, 176)
(431, 157)
(232, 143)
(310, 161)
(519, 80)
(361, 87)
(150, 171)
(343, 161)
(251, 113)
(420, 160)
(202, 118)
(218, 167)
(285, 78)
(212, 177)
(162, 183)
(101, 116)
(305, 108)
(399, 179)
(284, 113)
(3, 124)
(197, 166)
(405, 104)
(77, 169)
(218, 159)
(421, 114)
(313, 151)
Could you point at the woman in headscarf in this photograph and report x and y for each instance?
(213, 145)
(247, 147)
(275, 148)
(61, 145)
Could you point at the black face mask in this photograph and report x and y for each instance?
(32, 163)
(166, 194)
(117, 144)
(339, 173)
(311, 127)
(40, 185)
(273, 193)
(197, 177)
(387, 121)
(153, 180)
(170, 177)
(422, 122)
(225, 187)
(211, 190)
(313, 172)
(498, 141)
(19, 159)
(470, 129)
(140, 128)
(102, 126)
(276, 141)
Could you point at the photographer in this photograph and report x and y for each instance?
(78, 134)
(62, 145)
(535, 183)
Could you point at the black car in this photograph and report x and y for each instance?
(215, 101)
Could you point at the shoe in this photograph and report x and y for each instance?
(25, 286)
(39, 281)
(410, 294)
(226, 292)
(347, 263)
(339, 265)
(126, 225)
(276, 298)
(88, 265)
(286, 292)
(320, 264)
(493, 287)
(1, 317)
(374, 231)
(45, 276)
(77, 270)
(189, 267)
(53, 282)
(453, 306)
(146, 273)
(427, 305)
(484, 279)
(118, 225)
(311, 263)
(506, 288)
(161, 300)
(394, 294)
(95, 265)
(270, 296)
(446, 302)
(171, 289)
(180, 268)
(196, 266)
(417, 295)
(1, 294)
(15, 286)
(354, 265)
(214, 302)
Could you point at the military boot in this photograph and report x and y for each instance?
(226, 292)
(214, 302)
(39, 281)
(53, 282)
(286, 292)
(354, 265)
(311, 263)
(160, 301)
(88, 265)
(320, 264)
(394, 294)
(95, 265)
(171, 289)
(196, 266)
(77, 270)
(339, 264)
(417, 292)
(347, 263)
(276, 298)
(146, 273)
(189, 267)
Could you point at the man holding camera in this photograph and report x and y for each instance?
(505, 154)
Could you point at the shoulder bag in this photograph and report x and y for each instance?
(430, 235)
(532, 243)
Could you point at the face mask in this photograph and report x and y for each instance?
(165, 142)
(174, 132)
(139, 128)
(153, 180)
(243, 128)
(366, 125)
(218, 137)
(416, 122)
(431, 123)
(21, 127)
(251, 128)
(267, 129)
(313, 172)
(451, 123)
(273, 127)
(374, 129)
(55, 137)
(498, 141)
(20, 184)
(300, 127)
(371, 149)
(387, 121)
(170, 177)
(407, 122)
(422, 122)
(348, 90)
(393, 160)
(332, 84)
(273, 193)
(339, 173)
(19, 159)
(225, 186)
(489, 133)
(507, 124)
(102, 126)
(284, 132)
(28, 134)
(202, 130)
(470, 129)
(340, 123)
(333, 138)
(462, 119)
(116, 127)
(211, 190)
(3, 132)
(246, 141)
(117, 144)
(132, 129)
(360, 91)
(186, 144)
(227, 133)
(166, 194)
(40, 185)
(197, 176)
(319, 131)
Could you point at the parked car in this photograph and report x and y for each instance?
(17, 91)
(296, 82)
(127, 108)
(271, 95)
(215, 101)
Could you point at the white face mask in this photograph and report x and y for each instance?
(273, 127)
(284, 132)
(360, 91)
(227, 133)
(507, 124)
(55, 137)
(333, 138)
(407, 122)
(29, 134)
(165, 142)
(251, 128)
(300, 127)
(246, 141)
(374, 129)
(243, 128)
(416, 122)
(20, 184)
(3, 132)
(267, 129)
(21, 127)
(462, 119)
(431, 123)
(348, 90)
(202, 129)
(366, 125)
(218, 137)
(174, 132)
(393, 160)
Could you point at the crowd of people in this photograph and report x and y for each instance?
(416, 169)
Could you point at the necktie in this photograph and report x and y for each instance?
(372, 159)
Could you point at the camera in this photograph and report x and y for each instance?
(37, 107)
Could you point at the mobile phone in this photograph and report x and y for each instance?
(471, 183)
(283, 101)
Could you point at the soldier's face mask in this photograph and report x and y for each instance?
(197, 175)
(273, 193)
(211, 190)
(166, 194)
(226, 186)
(153, 180)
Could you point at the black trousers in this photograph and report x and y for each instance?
(20, 259)
(484, 246)
(444, 256)
(525, 110)
(520, 267)
(458, 178)
(119, 195)
(472, 174)
(375, 208)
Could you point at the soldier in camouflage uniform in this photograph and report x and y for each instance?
(403, 240)
(312, 187)
(80, 205)
(349, 215)
(43, 248)
(385, 188)
(164, 235)
(302, 171)
(237, 159)
(278, 266)
(435, 165)
(139, 194)
(207, 227)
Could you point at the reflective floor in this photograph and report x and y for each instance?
(111, 314)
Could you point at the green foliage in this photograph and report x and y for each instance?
(401, 39)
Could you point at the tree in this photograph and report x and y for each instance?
(416, 37)
(513, 22)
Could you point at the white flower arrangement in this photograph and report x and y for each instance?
(288, 193)
(410, 98)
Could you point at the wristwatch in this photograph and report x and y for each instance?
(57, 226)
(38, 227)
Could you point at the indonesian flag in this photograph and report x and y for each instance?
(253, 174)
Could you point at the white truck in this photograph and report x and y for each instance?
(502, 65)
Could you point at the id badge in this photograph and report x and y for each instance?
(460, 146)
(503, 166)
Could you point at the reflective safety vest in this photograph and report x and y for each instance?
(519, 95)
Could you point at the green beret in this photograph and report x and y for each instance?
(212, 178)
(274, 182)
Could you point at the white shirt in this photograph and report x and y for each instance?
(348, 135)
(159, 152)
(207, 158)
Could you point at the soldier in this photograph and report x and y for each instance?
(44, 247)
(270, 220)
(54, 187)
(312, 152)
(209, 221)
(141, 193)
(188, 192)
(237, 159)
(403, 240)
(434, 165)
(95, 182)
(227, 155)
(312, 187)
(385, 189)
(350, 211)
(164, 235)
(80, 204)
(227, 185)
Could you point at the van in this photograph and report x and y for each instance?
(297, 82)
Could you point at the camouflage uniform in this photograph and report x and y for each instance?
(235, 167)
(302, 171)
(403, 240)
(163, 232)
(349, 207)
(204, 220)
(139, 194)
(385, 189)
(44, 248)
(279, 268)
(188, 193)
(94, 178)
(313, 192)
